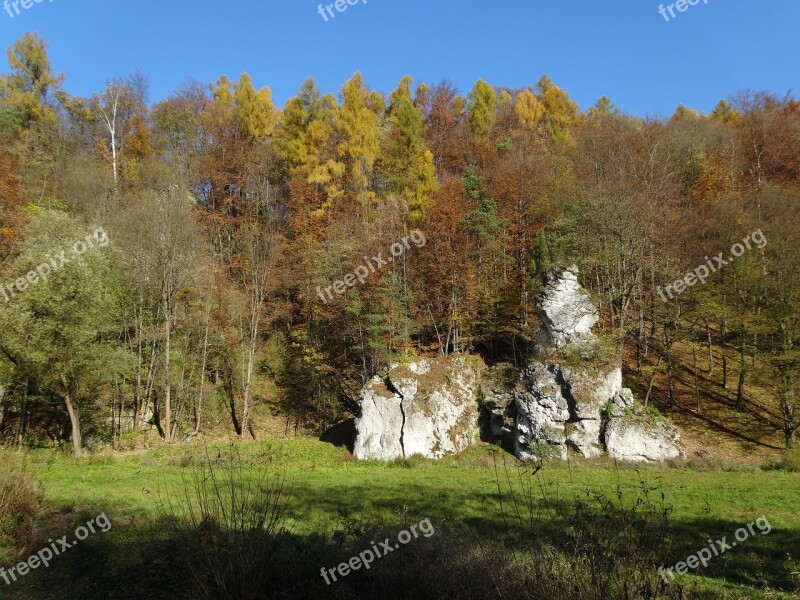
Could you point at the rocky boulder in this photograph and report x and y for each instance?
(573, 398)
(542, 412)
(379, 429)
(427, 408)
(559, 407)
(640, 436)
(570, 398)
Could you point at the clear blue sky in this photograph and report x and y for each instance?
(620, 48)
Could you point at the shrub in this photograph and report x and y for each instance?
(20, 499)
(543, 450)
(791, 460)
(229, 519)
(409, 462)
(645, 412)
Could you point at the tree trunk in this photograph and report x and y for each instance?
(74, 420)
(22, 416)
(724, 336)
(228, 384)
(251, 357)
(199, 412)
(652, 381)
(167, 387)
(640, 342)
(4, 411)
(724, 342)
(668, 351)
(150, 383)
(790, 424)
(114, 155)
(740, 386)
(710, 350)
(696, 379)
(137, 389)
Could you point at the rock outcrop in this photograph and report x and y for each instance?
(427, 408)
(566, 403)
(571, 400)
(560, 407)
(639, 436)
(566, 310)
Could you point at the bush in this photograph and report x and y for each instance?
(229, 520)
(20, 499)
(133, 439)
(791, 460)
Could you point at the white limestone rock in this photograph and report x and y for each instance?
(637, 436)
(428, 408)
(566, 310)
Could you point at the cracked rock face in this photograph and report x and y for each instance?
(542, 411)
(566, 309)
(559, 407)
(497, 402)
(427, 408)
(381, 424)
(583, 408)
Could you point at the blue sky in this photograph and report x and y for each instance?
(620, 48)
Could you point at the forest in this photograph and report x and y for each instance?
(196, 232)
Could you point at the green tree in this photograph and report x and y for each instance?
(482, 104)
(61, 332)
(405, 162)
(528, 109)
(254, 111)
(683, 112)
(28, 92)
(389, 325)
(486, 229)
(560, 111)
(603, 108)
(726, 114)
(304, 142)
(293, 141)
(29, 100)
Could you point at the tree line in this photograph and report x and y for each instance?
(225, 214)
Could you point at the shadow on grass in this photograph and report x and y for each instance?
(477, 557)
(759, 561)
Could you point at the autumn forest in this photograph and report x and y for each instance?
(225, 215)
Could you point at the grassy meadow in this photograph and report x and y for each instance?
(333, 504)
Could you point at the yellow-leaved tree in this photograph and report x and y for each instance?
(357, 122)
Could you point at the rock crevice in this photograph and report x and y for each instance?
(425, 408)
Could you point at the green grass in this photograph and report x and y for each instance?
(329, 488)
